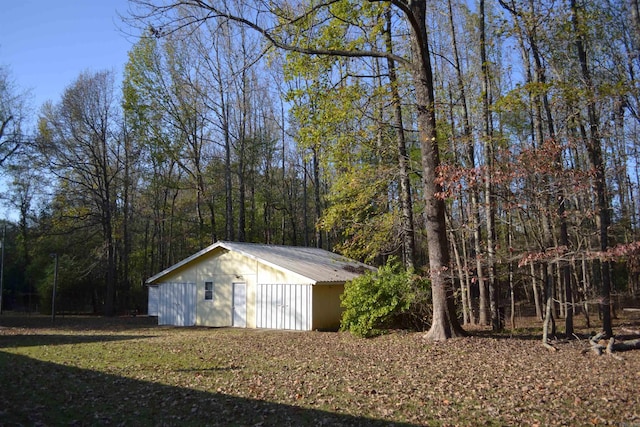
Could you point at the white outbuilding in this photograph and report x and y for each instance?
(250, 285)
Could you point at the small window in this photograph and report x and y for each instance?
(208, 291)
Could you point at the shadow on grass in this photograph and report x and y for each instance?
(33, 340)
(76, 322)
(34, 392)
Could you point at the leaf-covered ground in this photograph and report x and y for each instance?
(87, 371)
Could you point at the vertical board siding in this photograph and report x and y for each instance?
(154, 300)
(190, 298)
(177, 304)
(283, 306)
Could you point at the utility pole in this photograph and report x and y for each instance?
(55, 285)
(4, 233)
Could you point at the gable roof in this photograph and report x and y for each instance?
(319, 265)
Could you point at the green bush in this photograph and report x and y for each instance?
(389, 297)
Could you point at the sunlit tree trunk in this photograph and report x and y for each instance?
(444, 323)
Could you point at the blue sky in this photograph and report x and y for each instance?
(46, 44)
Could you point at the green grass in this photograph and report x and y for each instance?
(127, 371)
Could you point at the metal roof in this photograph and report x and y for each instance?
(318, 265)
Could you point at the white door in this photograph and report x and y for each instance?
(239, 305)
(283, 306)
(177, 304)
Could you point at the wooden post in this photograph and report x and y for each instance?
(55, 285)
(4, 233)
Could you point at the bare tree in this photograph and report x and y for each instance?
(80, 145)
(12, 114)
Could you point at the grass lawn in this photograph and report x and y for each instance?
(130, 372)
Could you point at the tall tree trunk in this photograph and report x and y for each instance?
(244, 114)
(512, 268)
(287, 194)
(25, 242)
(127, 219)
(634, 6)
(585, 283)
(594, 148)
(487, 134)
(467, 269)
(444, 324)
(267, 208)
(107, 223)
(242, 194)
(536, 293)
(549, 325)
(474, 214)
(317, 196)
(565, 269)
(305, 204)
(228, 182)
(110, 273)
(406, 203)
(461, 277)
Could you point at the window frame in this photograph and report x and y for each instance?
(209, 293)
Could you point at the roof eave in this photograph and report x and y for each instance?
(222, 244)
(331, 282)
(151, 280)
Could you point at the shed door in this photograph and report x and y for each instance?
(283, 306)
(177, 304)
(239, 305)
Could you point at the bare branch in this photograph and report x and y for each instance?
(212, 11)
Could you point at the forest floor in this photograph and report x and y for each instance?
(128, 371)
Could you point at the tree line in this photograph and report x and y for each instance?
(490, 145)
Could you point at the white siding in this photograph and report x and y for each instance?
(283, 306)
(154, 298)
(177, 304)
